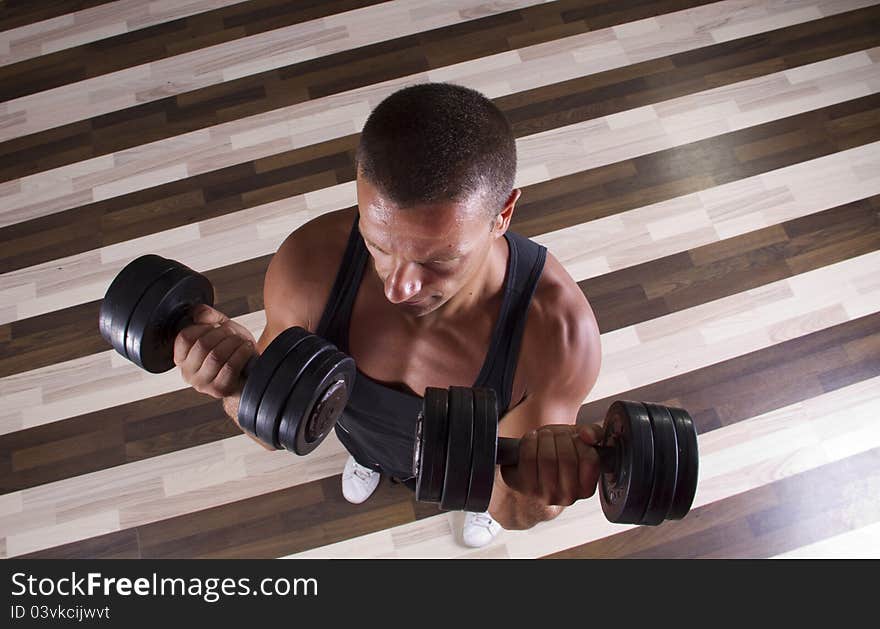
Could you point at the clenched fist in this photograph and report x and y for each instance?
(556, 464)
(212, 352)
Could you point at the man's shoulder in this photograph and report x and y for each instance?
(319, 238)
(558, 305)
(561, 333)
(303, 269)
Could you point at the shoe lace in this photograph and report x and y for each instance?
(362, 473)
(483, 519)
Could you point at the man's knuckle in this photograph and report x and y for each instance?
(201, 346)
(225, 378)
(214, 358)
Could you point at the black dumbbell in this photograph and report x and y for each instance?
(294, 391)
(648, 458)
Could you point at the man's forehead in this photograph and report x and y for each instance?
(422, 223)
(415, 235)
(420, 234)
(383, 208)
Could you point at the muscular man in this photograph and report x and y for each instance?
(423, 285)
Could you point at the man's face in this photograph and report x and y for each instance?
(424, 255)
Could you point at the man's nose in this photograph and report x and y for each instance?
(402, 283)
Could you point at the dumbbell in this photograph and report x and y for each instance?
(294, 391)
(648, 456)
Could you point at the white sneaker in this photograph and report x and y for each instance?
(479, 529)
(358, 482)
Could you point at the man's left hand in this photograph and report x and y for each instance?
(557, 465)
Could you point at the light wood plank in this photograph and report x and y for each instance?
(861, 543)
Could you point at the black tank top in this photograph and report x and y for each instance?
(379, 422)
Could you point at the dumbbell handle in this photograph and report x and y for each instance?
(508, 453)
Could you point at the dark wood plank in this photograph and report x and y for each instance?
(266, 526)
(648, 179)
(114, 436)
(122, 544)
(268, 532)
(766, 379)
(779, 517)
(63, 334)
(178, 203)
(734, 265)
(15, 13)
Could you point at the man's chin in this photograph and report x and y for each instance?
(424, 308)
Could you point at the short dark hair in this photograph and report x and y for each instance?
(437, 142)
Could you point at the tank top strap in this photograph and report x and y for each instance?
(525, 264)
(334, 322)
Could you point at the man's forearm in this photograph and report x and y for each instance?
(523, 513)
(516, 511)
(230, 406)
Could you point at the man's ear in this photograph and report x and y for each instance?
(502, 221)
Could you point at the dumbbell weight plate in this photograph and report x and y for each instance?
(261, 374)
(624, 491)
(688, 463)
(431, 440)
(163, 310)
(458, 456)
(485, 445)
(282, 383)
(123, 295)
(316, 400)
(665, 465)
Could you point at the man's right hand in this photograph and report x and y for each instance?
(213, 351)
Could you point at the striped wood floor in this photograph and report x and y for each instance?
(708, 172)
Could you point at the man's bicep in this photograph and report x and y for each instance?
(556, 395)
(283, 302)
(533, 413)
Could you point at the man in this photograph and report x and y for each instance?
(423, 285)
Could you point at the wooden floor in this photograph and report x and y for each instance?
(709, 173)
